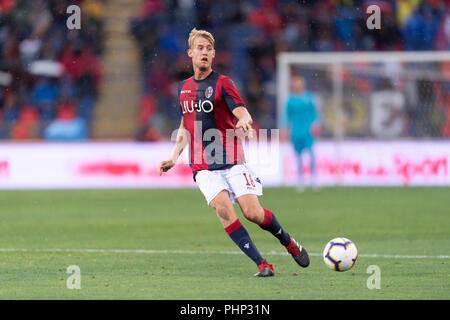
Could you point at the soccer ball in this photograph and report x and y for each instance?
(340, 254)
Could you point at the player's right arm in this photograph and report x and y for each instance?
(180, 144)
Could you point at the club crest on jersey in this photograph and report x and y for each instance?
(209, 92)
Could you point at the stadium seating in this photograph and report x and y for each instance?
(48, 72)
(249, 35)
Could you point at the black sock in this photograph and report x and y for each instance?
(240, 236)
(272, 225)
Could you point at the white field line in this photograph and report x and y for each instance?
(201, 252)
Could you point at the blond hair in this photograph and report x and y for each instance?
(200, 33)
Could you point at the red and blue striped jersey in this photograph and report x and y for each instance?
(206, 106)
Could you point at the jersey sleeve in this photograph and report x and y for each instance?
(231, 94)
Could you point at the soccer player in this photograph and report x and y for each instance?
(303, 124)
(212, 112)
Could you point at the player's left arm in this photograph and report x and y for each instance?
(245, 120)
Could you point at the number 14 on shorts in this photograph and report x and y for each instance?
(249, 180)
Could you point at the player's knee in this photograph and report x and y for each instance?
(254, 213)
(224, 212)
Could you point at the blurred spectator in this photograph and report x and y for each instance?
(442, 40)
(49, 63)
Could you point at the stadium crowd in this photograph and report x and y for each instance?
(48, 72)
(249, 34)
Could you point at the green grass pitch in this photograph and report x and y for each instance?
(167, 244)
